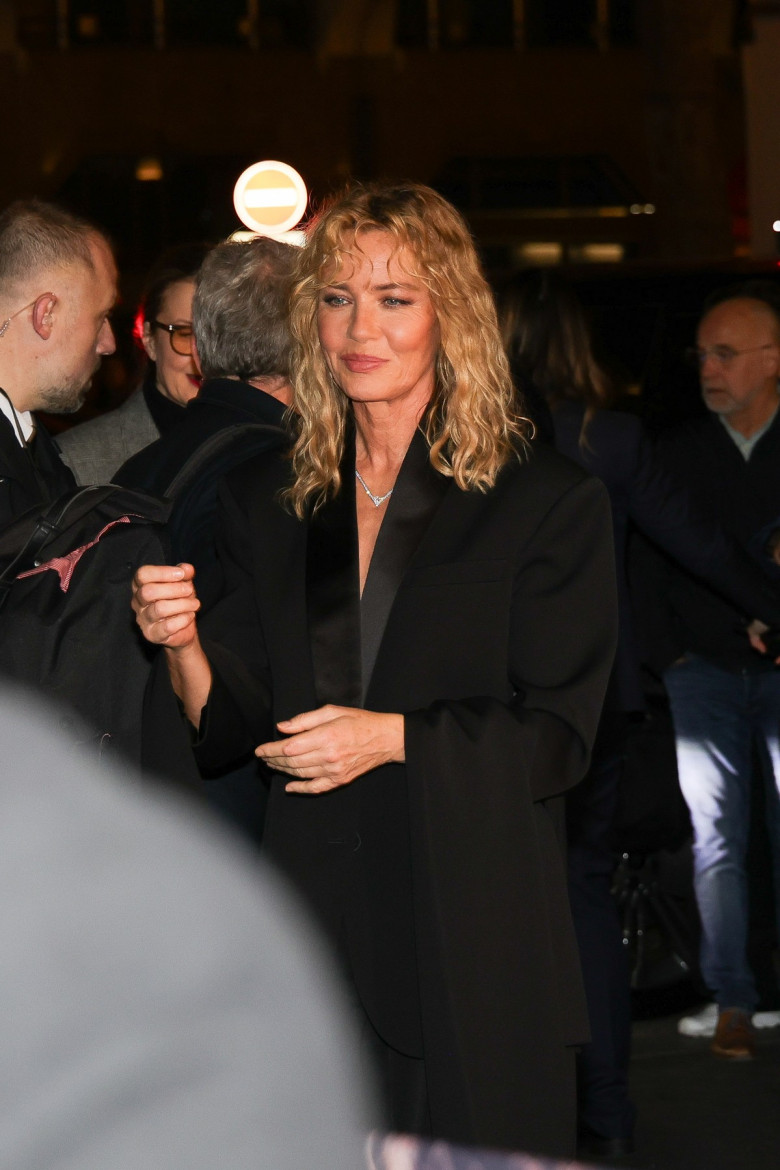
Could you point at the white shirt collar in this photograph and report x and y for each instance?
(744, 444)
(18, 418)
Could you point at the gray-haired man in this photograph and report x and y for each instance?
(239, 318)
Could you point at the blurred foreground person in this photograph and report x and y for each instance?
(57, 288)
(94, 450)
(423, 607)
(548, 341)
(725, 698)
(164, 1003)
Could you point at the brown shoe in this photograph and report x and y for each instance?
(734, 1038)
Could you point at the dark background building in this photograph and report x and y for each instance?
(599, 133)
(562, 122)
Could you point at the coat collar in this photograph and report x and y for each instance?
(242, 398)
(346, 632)
(35, 466)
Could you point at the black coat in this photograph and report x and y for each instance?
(29, 475)
(489, 621)
(221, 403)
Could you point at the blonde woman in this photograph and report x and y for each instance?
(415, 635)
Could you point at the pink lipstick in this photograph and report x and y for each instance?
(362, 363)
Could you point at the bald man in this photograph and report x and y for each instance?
(725, 697)
(57, 288)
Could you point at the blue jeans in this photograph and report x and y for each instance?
(718, 717)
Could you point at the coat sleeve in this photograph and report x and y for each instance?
(562, 635)
(498, 968)
(237, 715)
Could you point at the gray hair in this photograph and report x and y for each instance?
(36, 237)
(239, 312)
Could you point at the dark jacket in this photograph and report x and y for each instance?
(221, 403)
(29, 475)
(680, 612)
(655, 498)
(489, 621)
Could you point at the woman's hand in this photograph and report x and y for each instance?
(165, 604)
(332, 746)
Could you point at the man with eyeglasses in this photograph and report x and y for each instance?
(724, 695)
(57, 289)
(243, 345)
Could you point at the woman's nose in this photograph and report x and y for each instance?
(361, 323)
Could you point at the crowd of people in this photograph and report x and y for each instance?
(397, 626)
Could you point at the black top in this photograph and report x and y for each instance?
(647, 493)
(166, 413)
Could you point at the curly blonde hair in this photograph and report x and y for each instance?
(472, 424)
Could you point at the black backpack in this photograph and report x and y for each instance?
(66, 627)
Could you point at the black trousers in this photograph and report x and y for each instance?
(602, 1066)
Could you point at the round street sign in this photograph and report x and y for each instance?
(270, 198)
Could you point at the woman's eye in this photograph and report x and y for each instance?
(334, 299)
(395, 302)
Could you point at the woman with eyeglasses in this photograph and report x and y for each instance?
(95, 450)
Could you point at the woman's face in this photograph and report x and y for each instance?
(178, 376)
(378, 327)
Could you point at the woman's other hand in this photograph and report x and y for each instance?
(165, 604)
(332, 746)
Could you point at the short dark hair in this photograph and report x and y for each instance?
(38, 236)
(179, 262)
(240, 314)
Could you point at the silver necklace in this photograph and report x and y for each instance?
(375, 500)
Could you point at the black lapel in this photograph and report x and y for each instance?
(333, 594)
(416, 497)
(17, 463)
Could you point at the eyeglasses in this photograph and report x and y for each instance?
(180, 337)
(724, 355)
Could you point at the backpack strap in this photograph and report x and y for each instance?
(47, 525)
(67, 509)
(211, 447)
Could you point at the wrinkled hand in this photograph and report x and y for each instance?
(165, 604)
(333, 745)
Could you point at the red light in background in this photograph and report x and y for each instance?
(138, 326)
